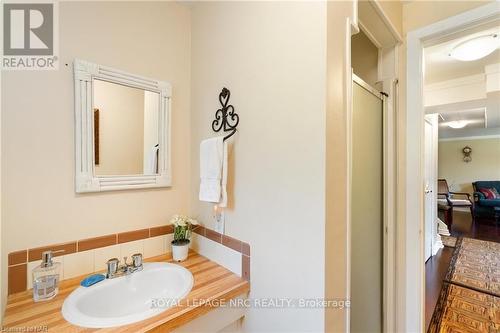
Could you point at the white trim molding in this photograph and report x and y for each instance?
(436, 241)
(492, 77)
(462, 90)
(478, 137)
(85, 178)
(412, 282)
(459, 82)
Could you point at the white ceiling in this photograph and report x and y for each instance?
(483, 118)
(476, 118)
(439, 66)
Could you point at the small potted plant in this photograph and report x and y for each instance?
(183, 226)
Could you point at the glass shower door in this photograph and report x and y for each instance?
(366, 210)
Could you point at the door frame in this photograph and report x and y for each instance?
(411, 316)
(380, 30)
(436, 243)
(427, 123)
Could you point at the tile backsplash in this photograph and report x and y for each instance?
(90, 255)
(90, 261)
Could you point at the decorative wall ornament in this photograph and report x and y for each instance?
(225, 117)
(467, 151)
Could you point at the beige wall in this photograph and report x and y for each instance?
(149, 38)
(485, 164)
(121, 128)
(394, 12)
(417, 14)
(271, 55)
(364, 58)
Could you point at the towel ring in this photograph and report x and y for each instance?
(225, 118)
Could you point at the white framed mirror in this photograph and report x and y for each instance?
(122, 130)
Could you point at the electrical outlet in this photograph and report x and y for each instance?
(219, 221)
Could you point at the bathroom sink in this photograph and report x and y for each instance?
(128, 299)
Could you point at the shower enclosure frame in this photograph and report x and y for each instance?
(379, 29)
(385, 269)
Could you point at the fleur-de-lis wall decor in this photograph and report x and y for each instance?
(225, 118)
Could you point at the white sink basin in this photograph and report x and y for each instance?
(128, 299)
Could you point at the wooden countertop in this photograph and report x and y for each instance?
(211, 282)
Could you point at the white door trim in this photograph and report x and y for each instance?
(436, 242)
(412, 246)
(388, 78)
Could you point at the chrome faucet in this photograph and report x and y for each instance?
(116, 270)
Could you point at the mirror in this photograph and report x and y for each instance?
(122, 124)
(125, 129)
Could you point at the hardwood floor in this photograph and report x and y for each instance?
(482, 229)
(435, 270)
(437, 266)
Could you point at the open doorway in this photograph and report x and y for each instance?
(462, 160)
(459, 284)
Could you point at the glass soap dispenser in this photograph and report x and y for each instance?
(46, 278)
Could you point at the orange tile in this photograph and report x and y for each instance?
(159, 231)
(231, 243)
(96, 242)
(129, 236)
(18, 257)
(17, 278)
(213, 235)
(199, 229)
(245, 248)
(245, 267)
(67, 248)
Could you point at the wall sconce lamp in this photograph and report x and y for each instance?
(467, 151)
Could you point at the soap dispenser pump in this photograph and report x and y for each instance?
(46, 278)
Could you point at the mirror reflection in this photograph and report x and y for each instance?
(125, 129)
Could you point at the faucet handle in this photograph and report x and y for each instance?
(112, 267)
(137, 260)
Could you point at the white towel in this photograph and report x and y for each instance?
(152, 165)
(223, 201)
(213, 170)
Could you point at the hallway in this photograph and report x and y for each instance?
(437, 266)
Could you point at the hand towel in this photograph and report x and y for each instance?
(152, 164)
(211, 163)
(223, 200)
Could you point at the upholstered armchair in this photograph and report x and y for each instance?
(486, 207)
(448, 200)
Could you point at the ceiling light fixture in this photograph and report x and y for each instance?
(475, 48)
(456, 124)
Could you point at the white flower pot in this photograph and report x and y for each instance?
(180, 251)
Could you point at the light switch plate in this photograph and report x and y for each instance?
(219, 221)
